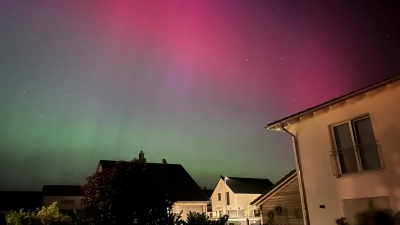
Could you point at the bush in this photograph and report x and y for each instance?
(195, 218)
(45, 216)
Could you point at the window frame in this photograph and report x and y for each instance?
(351, 124)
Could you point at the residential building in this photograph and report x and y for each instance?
(186, 193)
(68, 197)
(232, 196)
(281, 204)
(347, 153)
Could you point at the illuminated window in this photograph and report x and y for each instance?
(355, 147)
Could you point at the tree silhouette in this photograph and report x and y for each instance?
(128, 193)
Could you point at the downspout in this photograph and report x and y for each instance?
(299, 175)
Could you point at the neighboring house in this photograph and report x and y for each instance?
(281, 204)
(16, 200)
(233, 195)
(68, 197)
(184, 190)
(347, 152)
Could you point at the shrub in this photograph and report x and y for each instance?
(45, 216)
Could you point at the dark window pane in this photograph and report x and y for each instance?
(345, 148)
(365, 140)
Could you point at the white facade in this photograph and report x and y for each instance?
(329, 197)
(63, 202)
(186, 207)
(238, 202)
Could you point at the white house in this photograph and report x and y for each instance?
(347, 153)
(233, 195)
(186, 193)
(68, 197)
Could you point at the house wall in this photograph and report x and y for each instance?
(237, 201)
(185, 207)
(288, 198)
(315, 144)
(220, 205)
(63, 202)
(245, 199)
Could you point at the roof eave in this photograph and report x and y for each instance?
(280, 186)
(276, 126)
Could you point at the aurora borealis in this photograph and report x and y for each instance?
(193, 82)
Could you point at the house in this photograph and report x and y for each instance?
(16, 200)
(281, 204)
(68, 197)
(347, 153)
(232, 196)
(184, 190)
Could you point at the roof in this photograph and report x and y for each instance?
(62, 190)
(274, 188)
(16, 200)
(184, 188)
(241, 185)
(276, 124)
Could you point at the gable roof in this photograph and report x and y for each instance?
(16, 200)
(62, 190)
(276, 124)
(272, 190)
(241, 185)
(184, 188)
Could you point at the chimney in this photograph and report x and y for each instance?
(141, 157)
(164, 162)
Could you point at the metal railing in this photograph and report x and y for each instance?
(355, 159)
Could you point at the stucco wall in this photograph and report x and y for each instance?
(76, 204)
(237, 201)
(189, 206)
(245, 199)
(220, 205)
(315, 144)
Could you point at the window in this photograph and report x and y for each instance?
(352, 207)
(355, 148)
(228, 202)
(219, 196)
(256, 212)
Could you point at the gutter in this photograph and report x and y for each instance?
(299, 175)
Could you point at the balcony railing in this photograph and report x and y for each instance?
(356, 159)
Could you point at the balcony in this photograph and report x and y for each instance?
(356, 159)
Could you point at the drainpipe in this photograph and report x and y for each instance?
(299, 175)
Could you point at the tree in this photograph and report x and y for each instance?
(128, 193)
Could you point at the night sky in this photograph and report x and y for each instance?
(193, 82)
